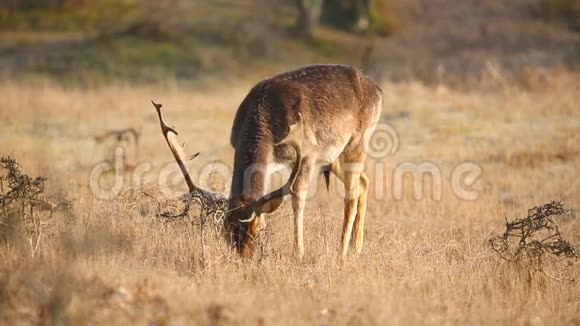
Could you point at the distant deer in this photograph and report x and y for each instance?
(316, 118)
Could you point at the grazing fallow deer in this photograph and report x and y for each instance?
(317, 117)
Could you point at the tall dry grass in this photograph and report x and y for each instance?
(424, 261)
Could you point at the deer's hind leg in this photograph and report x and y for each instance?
(350, 175)
(361, 211)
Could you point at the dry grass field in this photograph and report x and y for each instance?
(424, 261)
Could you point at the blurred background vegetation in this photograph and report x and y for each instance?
(147, 40)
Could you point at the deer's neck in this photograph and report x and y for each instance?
(251, 162)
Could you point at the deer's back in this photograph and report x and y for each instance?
(335, 101)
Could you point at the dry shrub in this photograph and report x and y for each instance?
(25, 212)
(535, 238)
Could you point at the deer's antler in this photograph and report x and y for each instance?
(170, 135)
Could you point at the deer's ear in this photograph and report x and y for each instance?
(269, 206)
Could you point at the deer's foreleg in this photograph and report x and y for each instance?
(299, 193)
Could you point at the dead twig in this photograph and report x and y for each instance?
(212, 207)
